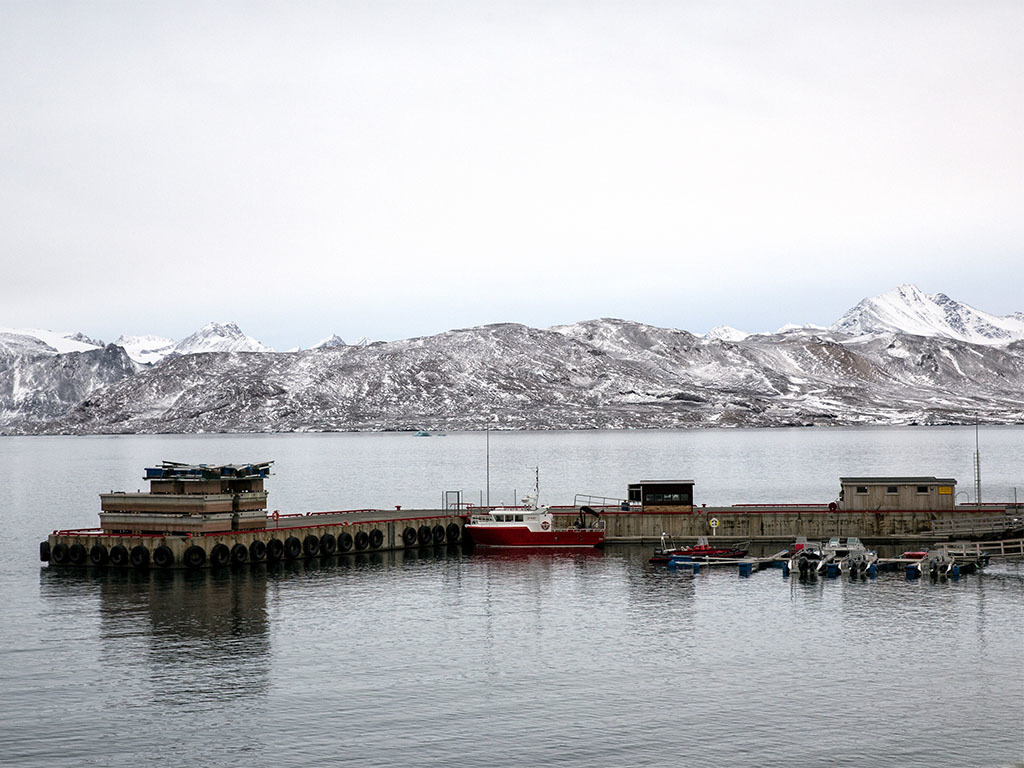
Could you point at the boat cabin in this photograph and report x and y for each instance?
(889, 493)
(662, 495)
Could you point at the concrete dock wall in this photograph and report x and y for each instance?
(285, 539)
(813, 522)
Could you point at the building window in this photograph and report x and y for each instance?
(891, 489)
(862, 489)
(922, 489)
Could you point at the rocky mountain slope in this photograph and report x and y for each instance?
(600, 373)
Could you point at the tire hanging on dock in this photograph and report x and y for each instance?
(98, 555)
(345, 542)
(257, 551)
(77, 554)
(376, 538)
(220, 556)
(362, 541)
(328, 544)
(194, 557)
(292, 548)
(409, 536)
(163, 557)
(311, 545)
(275, 550)
(438, 534)
(239, 554)
(424, 536)
(139, 556)
(59, 553)
(453, 533)
(119, 555)
(44, 551)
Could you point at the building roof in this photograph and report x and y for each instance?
(663, 482)
(897, 480)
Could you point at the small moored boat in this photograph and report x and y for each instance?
(848, 554)
(702, 550)
(533, 525)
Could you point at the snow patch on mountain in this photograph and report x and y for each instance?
(146, 348)
(58, 341)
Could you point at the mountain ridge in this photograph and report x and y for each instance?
(604, 373)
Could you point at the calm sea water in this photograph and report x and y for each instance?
(445, 658)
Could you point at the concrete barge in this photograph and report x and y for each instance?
(198, 516)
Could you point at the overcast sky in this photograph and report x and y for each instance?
(396, 169)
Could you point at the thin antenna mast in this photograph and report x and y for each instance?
(977, 464)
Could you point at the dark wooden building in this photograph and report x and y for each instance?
(656, 495)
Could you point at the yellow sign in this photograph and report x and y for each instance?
(945, 490)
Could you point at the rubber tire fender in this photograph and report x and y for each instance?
(345, 542)
(239, 554)
(453, 533)
(311, 545)
(163, 557)
(139, 556)
(328, 544)
(257, 551)
(376, 538)
(275, 550)
(119, 555)
(98, 555)
(438, 534)
(59, 553)
(194, 557)
(220, 555)
(292, 548)
(77, 554)
(409, 536)
(424, 535)
(362, 541)
(44, 551)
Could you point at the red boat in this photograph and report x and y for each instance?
(699, 551)
(532, 526)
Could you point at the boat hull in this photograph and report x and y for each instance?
(699, 553)
(521, 536)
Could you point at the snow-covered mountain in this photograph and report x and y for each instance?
(218, 337)
(907, 309)
(599, 373)
(726, 333)
(334, 340)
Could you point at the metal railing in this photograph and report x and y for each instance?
(1007, 549)
(975, 526)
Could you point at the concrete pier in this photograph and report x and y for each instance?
(291, 537)
(288, 537)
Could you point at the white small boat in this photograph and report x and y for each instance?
(849, 554)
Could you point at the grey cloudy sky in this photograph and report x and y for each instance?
(393, 169)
